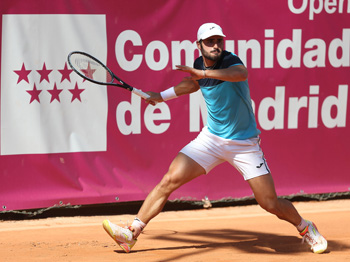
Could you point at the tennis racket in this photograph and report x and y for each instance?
(93, 70)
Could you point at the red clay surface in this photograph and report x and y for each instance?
(219, 234)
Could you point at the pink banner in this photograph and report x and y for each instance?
(66, 141)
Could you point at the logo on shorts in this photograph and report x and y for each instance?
(259, 165)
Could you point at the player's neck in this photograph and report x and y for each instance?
(209, 64)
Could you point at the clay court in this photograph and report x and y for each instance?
(240, 233)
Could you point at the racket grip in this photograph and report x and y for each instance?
(140, 93)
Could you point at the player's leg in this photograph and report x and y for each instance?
(265, 194)
(248, 158)
(196, 158)
(182, 170)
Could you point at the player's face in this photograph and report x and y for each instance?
(212, 47)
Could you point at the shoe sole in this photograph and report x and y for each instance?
(109, 231)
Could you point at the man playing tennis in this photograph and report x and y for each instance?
(230, 135)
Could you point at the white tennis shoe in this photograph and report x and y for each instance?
(311, 235)
(123, 236)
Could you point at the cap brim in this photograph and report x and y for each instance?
(211, 33)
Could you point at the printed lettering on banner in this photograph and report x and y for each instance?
(45, 106)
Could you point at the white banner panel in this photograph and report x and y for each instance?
(45, 106)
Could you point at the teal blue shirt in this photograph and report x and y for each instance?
(230, 112)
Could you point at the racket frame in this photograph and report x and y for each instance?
(123, 84)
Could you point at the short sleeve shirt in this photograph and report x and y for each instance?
(229, 107)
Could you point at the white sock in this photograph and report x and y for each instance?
(137, 226)
(303, 224)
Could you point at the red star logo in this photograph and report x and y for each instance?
(65, 73)
(44, 74)
(34, 94)
(55, 93)
(76, 92)
(88, 72)
(22, 74)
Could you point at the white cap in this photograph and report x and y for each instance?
(209, 29)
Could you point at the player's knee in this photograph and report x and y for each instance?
(270, 205)
(169, 183)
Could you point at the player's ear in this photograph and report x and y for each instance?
(199, 44)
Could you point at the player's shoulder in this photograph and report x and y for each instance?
(228, 55)
(229, 59)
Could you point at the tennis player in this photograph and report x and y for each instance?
(230, 135)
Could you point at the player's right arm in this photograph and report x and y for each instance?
(183, 88)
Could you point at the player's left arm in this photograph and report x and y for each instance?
(235, 73)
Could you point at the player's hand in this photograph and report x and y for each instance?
(154, 98)
(196, 74)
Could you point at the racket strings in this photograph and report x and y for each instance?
(91, 69)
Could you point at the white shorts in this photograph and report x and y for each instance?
(209, 150)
